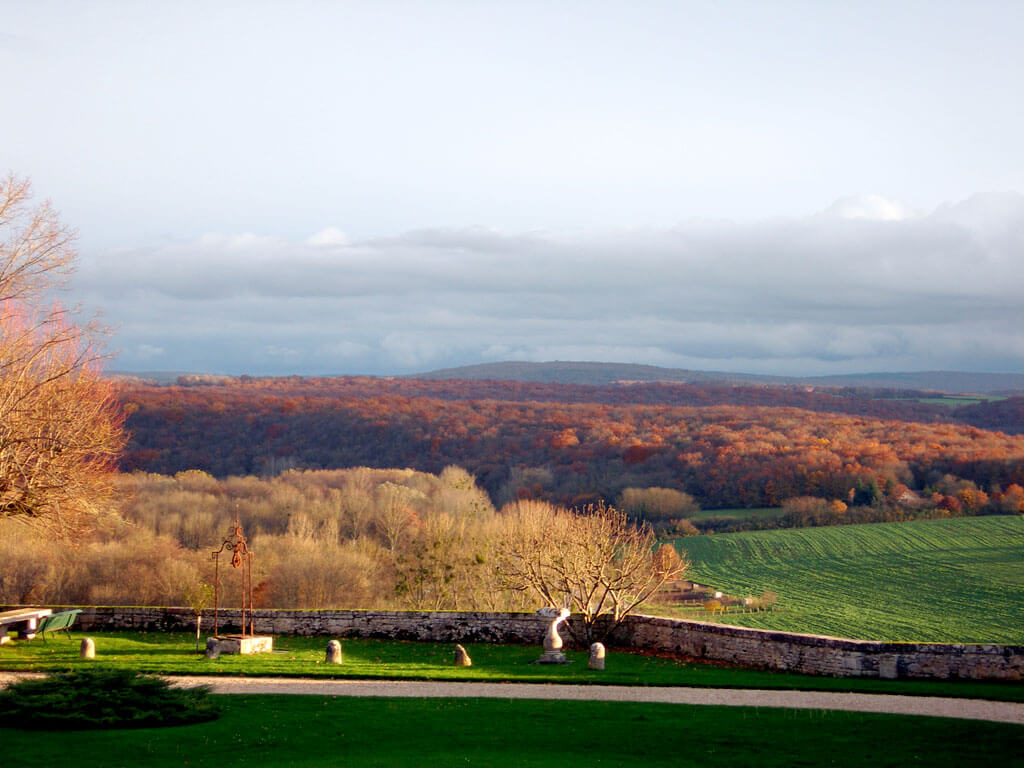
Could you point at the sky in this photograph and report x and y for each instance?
(385, 187)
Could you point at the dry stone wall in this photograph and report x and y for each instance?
(817, 655)
(809, 654)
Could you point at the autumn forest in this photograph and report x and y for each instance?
(727, 446)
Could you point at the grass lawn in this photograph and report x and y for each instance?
(168, 653)
(945, 581)
(316, 731)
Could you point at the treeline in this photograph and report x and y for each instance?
(356, 538)
(725, 456)
(903, 405)
(363, 538)
(1006, 415)
(1002, 415)
(949, 497)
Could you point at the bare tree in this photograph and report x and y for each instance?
(395, 515)
(595, 562)
(428, 567)
(60, 424)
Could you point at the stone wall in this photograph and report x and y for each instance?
(396, 625)
(817, 655)
(809, 654)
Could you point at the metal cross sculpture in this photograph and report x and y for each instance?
(241, 557)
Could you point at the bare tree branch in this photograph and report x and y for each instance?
(60, 425)
(594, 562)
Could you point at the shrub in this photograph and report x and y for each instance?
(102, 698)
(659, 506)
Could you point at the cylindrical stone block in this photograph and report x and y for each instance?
(334, 652)
(88, 648)
(596, 656)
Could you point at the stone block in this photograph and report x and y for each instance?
(244, 644)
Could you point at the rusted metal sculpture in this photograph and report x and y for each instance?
(241, 557)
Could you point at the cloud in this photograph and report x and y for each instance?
(330, 236)
(245, 241)
(856, 289)
(869, 207)
(148, 351)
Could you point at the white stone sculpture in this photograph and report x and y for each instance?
(552, 640)
(596, 656)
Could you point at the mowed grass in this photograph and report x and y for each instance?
(955, 581)
(355, 732)
(171, 654)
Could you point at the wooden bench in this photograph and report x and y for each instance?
(56, 622)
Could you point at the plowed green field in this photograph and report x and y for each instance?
(959, 580)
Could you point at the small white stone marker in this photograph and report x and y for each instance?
(333, 652)
(462, 658)
(88, 648)
(596, 656)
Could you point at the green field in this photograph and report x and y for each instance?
(763, 513)
(321, 731)
(955, 401)
(959, 580)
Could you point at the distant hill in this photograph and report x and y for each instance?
(146, 377)
(939, 381)
(603, 374)
(588, 373)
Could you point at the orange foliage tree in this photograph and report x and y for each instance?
(60, 423)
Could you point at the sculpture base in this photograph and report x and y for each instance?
(245, 644)
(552, 657)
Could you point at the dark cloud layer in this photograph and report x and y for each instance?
(862, 286)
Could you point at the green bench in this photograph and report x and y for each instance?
(56, 622)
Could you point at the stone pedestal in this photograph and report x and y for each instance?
(596, 656)
(243, 644)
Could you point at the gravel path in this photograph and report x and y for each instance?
(970, 709)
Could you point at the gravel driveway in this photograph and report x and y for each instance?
(969, 709)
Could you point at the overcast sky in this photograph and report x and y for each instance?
(385, 187)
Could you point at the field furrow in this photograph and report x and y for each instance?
(959, 580)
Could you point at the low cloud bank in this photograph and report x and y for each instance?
(864, 285)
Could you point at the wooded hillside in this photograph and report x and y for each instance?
(728, 446)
